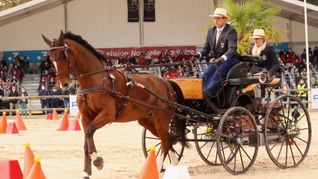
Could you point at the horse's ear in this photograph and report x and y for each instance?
(46, 40)
(61, 35)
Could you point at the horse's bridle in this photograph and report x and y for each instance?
(63, 50)
(72, 74)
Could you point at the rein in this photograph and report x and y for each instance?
(112, 90)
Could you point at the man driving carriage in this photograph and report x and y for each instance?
(221, 43)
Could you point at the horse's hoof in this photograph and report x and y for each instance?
(99, 163)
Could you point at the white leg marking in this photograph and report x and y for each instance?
(85, 174)
(94, 156)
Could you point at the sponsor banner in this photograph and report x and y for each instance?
(314, 98)
(73, 105)
(133, 10)
(149, 11)
(154, 52)
(34, 56)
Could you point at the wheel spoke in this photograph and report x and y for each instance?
(302, 139)
(303, 129)
(169, 158)
(245, 152)
(203, 145)
(273, 146)
(288, 107)
(230, 155)
(154, 138)
(241, 158)
(158, 151)
(155, 146)
(296, 122)
(223, 151)
(286, 152)
(302, 155)
(280, 150)
(234, 162)
(210, 150)
(292, 153)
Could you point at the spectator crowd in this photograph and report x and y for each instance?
(168, 64)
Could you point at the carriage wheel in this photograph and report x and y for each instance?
(205, 143)
(148, 140)
(237, 140)
(288, 131)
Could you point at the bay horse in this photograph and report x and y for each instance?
(101, 93)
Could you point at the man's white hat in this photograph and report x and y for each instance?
(258, 33)
(219, 12)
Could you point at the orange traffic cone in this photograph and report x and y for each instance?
(10, 169)
(64, 122)
(49, 116)
(150, 170)
(36, 170)
(28, 160)
(55, 116)
(73, 125)
(3, 123)
(12, 128)
(19, 122)
(78, 115)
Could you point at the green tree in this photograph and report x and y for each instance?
(246, 15)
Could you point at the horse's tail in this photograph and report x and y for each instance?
(179, 123)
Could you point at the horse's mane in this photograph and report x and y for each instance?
(80, 40)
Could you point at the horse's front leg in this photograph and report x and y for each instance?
(97, 160)
(100, 120)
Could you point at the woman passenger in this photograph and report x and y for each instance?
(261, 48)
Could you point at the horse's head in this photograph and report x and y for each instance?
(58, 54)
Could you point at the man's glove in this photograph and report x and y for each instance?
(197, 56)
(218, 60)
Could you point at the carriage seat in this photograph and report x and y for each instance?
(238, 74)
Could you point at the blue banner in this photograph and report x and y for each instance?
(34, 56)
(280, 46)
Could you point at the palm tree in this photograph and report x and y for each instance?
(246, 15)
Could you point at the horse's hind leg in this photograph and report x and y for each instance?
(162, 122)
(87, 161)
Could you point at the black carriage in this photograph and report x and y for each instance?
(250, 110)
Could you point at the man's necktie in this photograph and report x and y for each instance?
(218, 32)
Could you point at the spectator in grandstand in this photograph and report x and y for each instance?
(24, 101)
(4, 62)
(1, 95)
(300, 90)
(25, 64)
(303, 55)
(173, 73)
(44, 66)
(66, 100)
(301, 66)
(54, 102)
(44, 101)
(13, 102)
(266, 52)
(51, 82)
